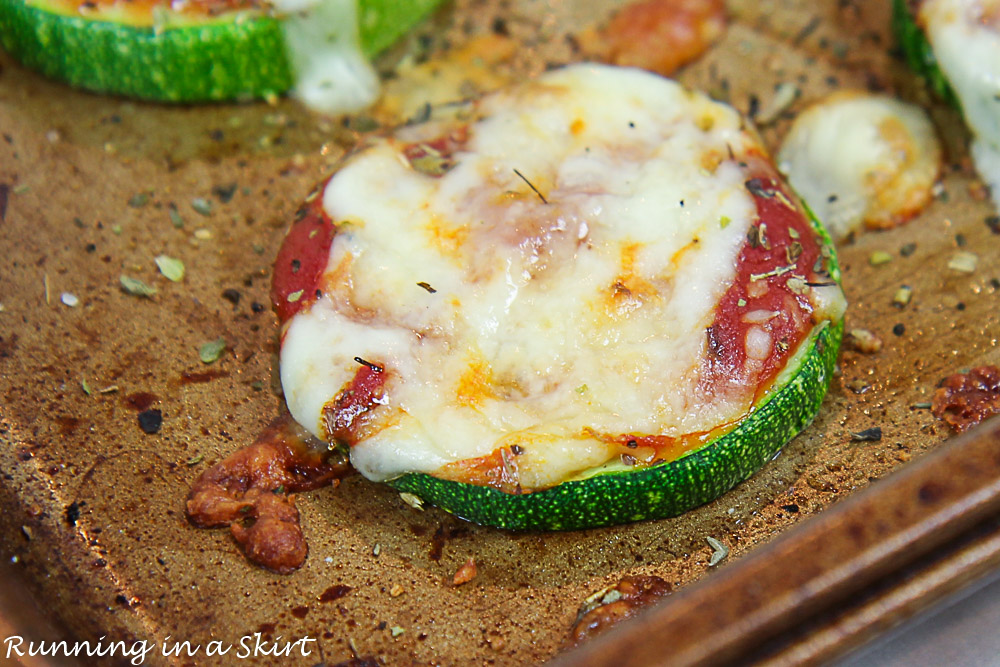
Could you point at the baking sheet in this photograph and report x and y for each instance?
(93, 507)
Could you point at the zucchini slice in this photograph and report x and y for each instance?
(918, 52)
(665, 490)
(237, 55)
(584, 300)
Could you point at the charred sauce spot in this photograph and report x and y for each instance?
(334, 592)
(441, 536)
(346, 415)
(189, 377)
(251, 491)
(141, 400)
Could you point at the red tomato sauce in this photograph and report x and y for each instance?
(302, 259)
(776, 267)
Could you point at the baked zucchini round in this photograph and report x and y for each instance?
(955, 44)
(585, 300)
(200, 53)
(917, 50)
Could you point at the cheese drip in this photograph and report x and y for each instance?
(577, 250)
(332, 75)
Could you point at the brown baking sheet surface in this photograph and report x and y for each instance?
(92, 519)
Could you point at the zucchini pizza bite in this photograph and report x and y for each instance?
(208, 50)
(588, 299)
(955, 45)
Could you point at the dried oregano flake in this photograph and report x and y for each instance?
(172, 269)
(719, 551)
(211, 351)
(136, 287)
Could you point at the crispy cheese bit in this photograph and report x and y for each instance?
(466, 573)
(966, 399)
(249, 492)
(658, 35)
(862, 160)
(615, 603)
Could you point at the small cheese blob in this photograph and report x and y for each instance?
(534, 274)
(965, 38)
(861, 160)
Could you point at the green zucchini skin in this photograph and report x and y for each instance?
(660, 491)
(918, 52)
(242, 58)
(664, 490)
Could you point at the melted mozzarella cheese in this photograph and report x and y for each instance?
(552, 321)
(331, 73)
(860, 159)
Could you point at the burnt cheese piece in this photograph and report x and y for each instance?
(594, 270)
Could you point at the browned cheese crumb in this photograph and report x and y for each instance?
(611, 605)
(251, 491)
(965, 399)
(466, 573)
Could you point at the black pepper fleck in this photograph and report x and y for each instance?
(757, 188)
(899, 329)
(993, 222)
(868, 435)
(232, 296)
(257, 307)
(72, 513)
(150, 421)
(225, 192)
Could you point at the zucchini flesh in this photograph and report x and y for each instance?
(239, 57)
